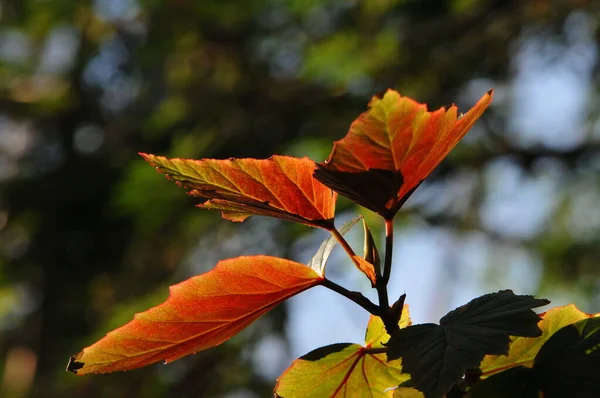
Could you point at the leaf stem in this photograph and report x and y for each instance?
(357, 297)
(389, 245)
(387, 315)
(375, 350)
(342, 241)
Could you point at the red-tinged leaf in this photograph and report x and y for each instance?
(522, 350)
(345, 370)
(200, 313)
(391, 148)
(281, 186)
(366, 268)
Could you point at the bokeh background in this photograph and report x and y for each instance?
(90, 234)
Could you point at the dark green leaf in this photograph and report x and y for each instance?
(437, 356)
(568, 364)
(517, 382)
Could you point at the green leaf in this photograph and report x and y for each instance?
(407, 392)
(345, 369)
(437, 356)
(517, 382)
(319, 260)
(523, 350)
(568, 365)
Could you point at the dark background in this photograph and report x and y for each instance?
(90, 234)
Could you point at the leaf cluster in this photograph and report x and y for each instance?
(388, 152)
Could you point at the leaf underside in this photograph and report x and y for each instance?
(391, 148)
(437, 356)
(200, 313)
(281, 187)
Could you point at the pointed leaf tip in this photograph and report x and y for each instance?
(280, 186)
(391, 148)
(201, 312)
(370, 252)
(73, 365)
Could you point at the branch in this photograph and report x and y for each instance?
(357, 297)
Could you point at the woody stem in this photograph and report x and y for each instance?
(387, 317)
(357, 297)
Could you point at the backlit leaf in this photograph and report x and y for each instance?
(523, 350)
(281, 186)
(391, 148)
(200, 313)
(366, 268)
(566, 361)
(320, 258)
(407, 392)
(345, 370)
(437, 356)
(377, 336)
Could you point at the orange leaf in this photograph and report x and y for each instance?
(366, 268)
(391, 148)
(346, 370)
(523, 350)
(200, 313)
(281, 186)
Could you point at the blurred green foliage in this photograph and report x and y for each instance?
(89, 234)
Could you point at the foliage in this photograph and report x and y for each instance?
(388, 152)
(89, 235)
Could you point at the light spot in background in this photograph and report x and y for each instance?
(104, 66)
(516, 204)
(15, 138)
(116, 10)
(19, 369)
(88, 139)
(270, 357)
(16, 302)
(15, 47)
(552, 84)
(59, 51)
